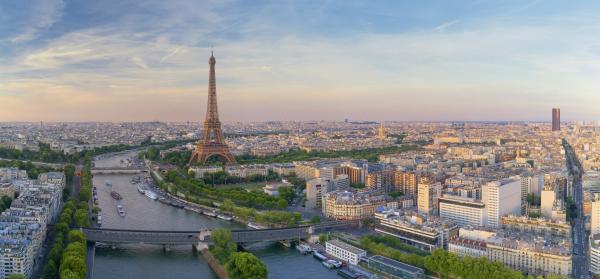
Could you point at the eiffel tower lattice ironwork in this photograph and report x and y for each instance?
(212, 142)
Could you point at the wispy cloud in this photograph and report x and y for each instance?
(43, 15)
(443, 27)
(267, 59)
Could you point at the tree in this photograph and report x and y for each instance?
(287, 193)
(16, 276)
(222, 247)
(73, 261)
(82, 218)
(282, 203)
(323, 238)
(50, 270)
(69, 171)
(245, 265)
(227, 205)
(76, 236)
(315, 219)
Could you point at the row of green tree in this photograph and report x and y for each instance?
(449, 265)
(67, 258)
(370, 154)
(85, 191)
(254, 198)
(275, 217)
(32, 170)
(239, 265)
(46, 154)
(442, 263)
(222, 177)
(396, 243)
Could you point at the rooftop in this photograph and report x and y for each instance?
(396, 264)
(346, 246)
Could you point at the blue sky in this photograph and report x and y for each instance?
(119, 60)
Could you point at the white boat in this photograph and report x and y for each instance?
(151, 194)
(255, 226)
(120, 210)
(332, 264)
(209, 213)
(224, 217)
(319, 256)
(303, 248)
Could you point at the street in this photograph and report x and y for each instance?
(580, 237)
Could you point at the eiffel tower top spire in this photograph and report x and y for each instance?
(212, 112)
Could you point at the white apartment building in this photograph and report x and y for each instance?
(595, 254)
(595, 222)
(16, 258)
(528, 252)
(548, 198)
(315, 191)
(502, 197)
(531, 257)
(427, 197)
(467, 247)
(463, 211)
(344, 251)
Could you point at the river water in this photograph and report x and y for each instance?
(152, 261)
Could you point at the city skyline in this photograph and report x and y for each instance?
(473, 60)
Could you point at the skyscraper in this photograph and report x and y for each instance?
(555, 119)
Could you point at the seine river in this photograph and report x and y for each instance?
(152, 261)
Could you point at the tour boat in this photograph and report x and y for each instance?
(332, 264)
(120, 210)
(319, 256)
(164, 201)
(303, 248)
(115, 195)
(151, 194)
(255, 226)
(177, 205)
(224, 217)
(209, 213)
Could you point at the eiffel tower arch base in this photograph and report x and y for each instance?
(202, 156)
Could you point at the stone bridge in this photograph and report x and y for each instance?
(115, 236)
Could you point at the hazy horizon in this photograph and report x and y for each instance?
(130, 61)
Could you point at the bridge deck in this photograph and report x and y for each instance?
(193, 237)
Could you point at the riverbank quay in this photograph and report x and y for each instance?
(214, 264)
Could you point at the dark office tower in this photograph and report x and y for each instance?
(555, 119)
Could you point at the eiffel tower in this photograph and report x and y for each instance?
(211, 143)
